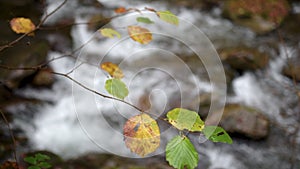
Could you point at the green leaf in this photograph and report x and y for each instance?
(41, 157)
(144, 20)
(168, 16)
(116, 88)
(44, 165)
(34, 167)
(185, 119)
(181, 153)
(30, 160)
(109, 33)
(216, 134)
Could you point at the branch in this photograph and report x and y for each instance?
(100, 94)
(10, 44)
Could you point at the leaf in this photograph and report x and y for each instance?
(141, 134)
(112, 69)
(144, 20)
(44, 165)
(139, 34)
(181, 153)
(34, 167)
(22, 25)
(109, 33)
(30, 160)
(216, 134)
(120, 10)
(41, 157)
(116, 88)
(185, 119)
(168, 16)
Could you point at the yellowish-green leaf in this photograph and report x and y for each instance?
(168, 16)
(184, 119)
(139, 34)
(109, 33)
(141, 134)
(112, 69)
(116, 88)
(217, 134)
(181, 153)
(22, 25)
(144, 20)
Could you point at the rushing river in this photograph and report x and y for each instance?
(79, 121)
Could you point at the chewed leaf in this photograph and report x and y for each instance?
(141, 134)
(121, 10)
(110, 33)
(216, 134)
(112, 69)
(22, 25)
(139, 34)
(168, 16)
(184, 119)
(144, 20)
(181, 153)
(116, 88)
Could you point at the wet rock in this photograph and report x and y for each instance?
(243, 58)
(107, 161)
(242, 120)
(292, 69)
(259, 15)
(43, 78)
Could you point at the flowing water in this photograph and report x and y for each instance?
(79, 121)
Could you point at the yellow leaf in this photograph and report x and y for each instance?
(22, 25)
(112, 69)
(110, 33)
(139, 34)
(141, 134)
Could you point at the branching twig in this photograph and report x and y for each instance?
(12, 137)
(10, 44)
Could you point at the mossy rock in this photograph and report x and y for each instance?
(261, 16)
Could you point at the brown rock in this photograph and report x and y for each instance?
(242, 120)
(244, 58)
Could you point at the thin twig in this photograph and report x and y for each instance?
(12, 137)
(10, 44)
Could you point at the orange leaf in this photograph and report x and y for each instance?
(139, 34)
(121, 10)
(112, 69)
(22, 25)
(141, 134)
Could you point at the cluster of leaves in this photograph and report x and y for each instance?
(141, 132)
(138, 33)
(38, 161)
